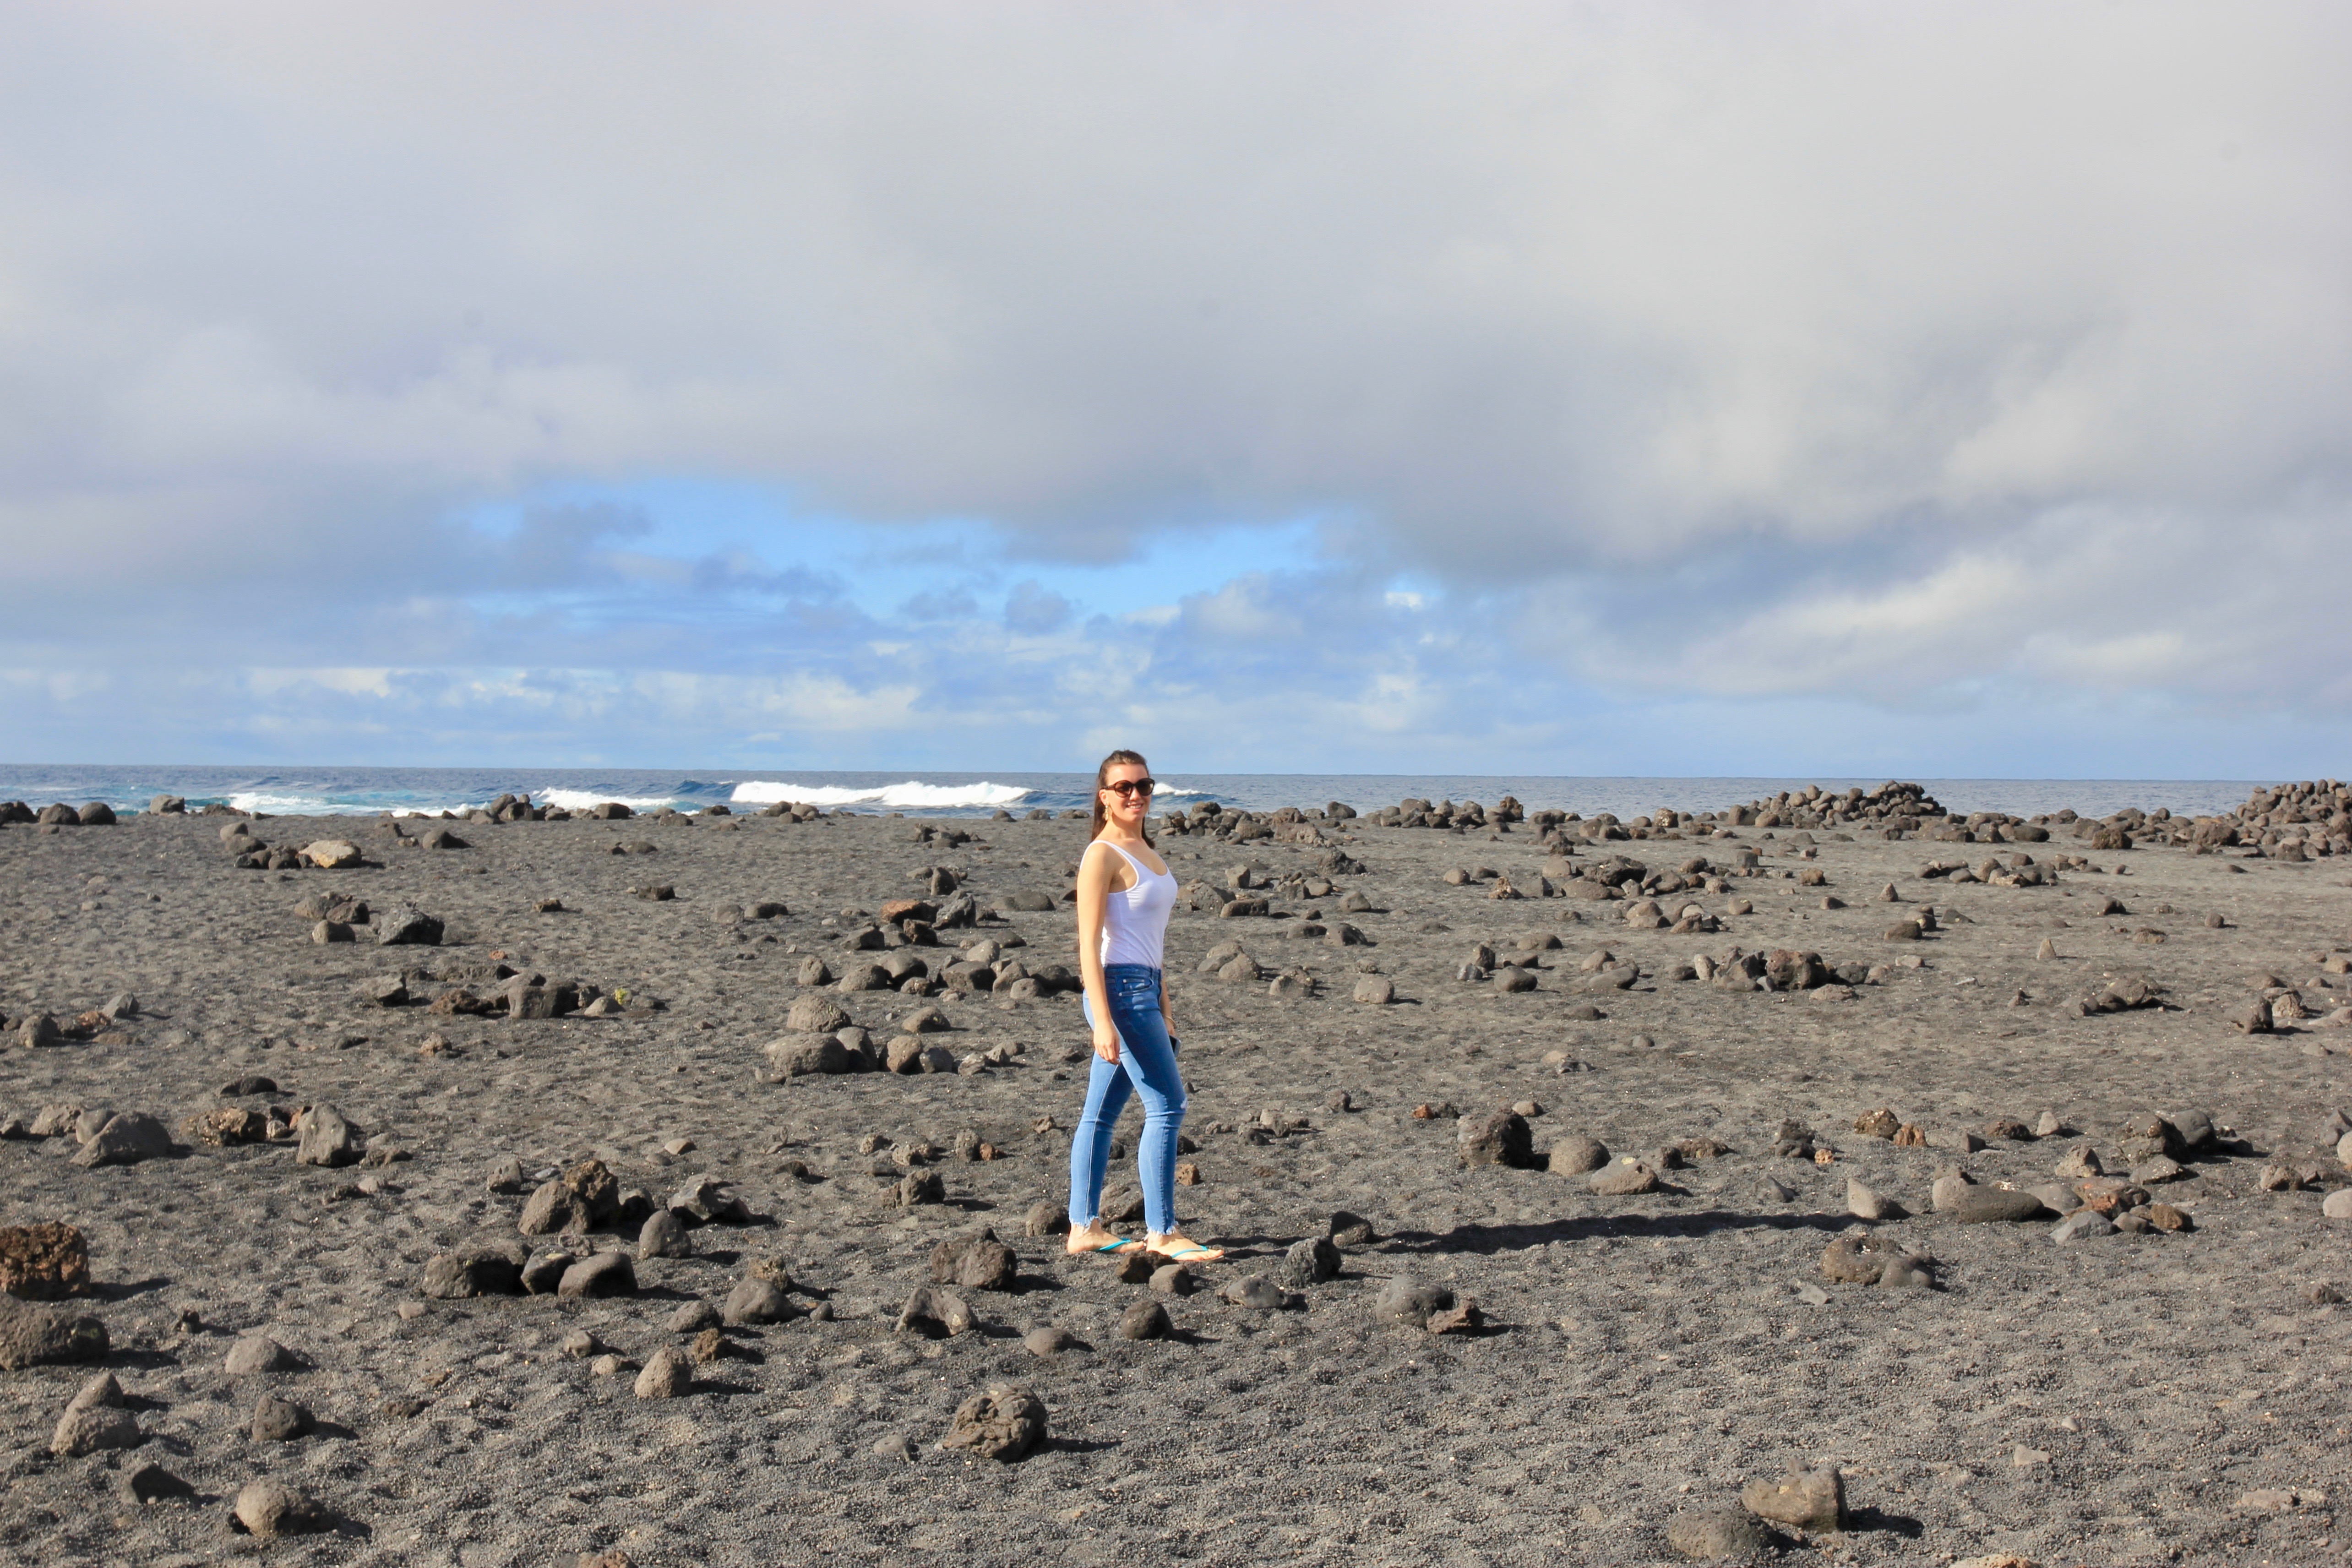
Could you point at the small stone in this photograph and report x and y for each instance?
(100, 1390)
(327, 1139)
(545, 1271)
(1047, 1341)
(935, 1312)
(1046, 1219)
(756, 1301)
(1988, 1206)
(607, 1365)
(1624, 1177)
(255, 1354)
(96, 1427)
(452, 1276)
(605, 1274)
(664, 1235)
(974, 1263)
(2337, 1205)
(579, 1344)
(1003, 1424)
(1712, 1534)
(1259, 1293)
(693, 1318)
(125, 1140)
(1406, 1300)
(1174, 1279)
(276, 1420)
(44, 1262)
(268, 1509)
(1145, 1320)
(1501, 1138)
(2081, 1161)
(1311, 1261)
(667, 1374)
(1577, 1156)
(1865, 1203)
(1347, 1229)
(2083, 1225)
(1802, 1499)
(154, 1483)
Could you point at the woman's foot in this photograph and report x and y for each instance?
(1178, 1247)
(1098, 1238)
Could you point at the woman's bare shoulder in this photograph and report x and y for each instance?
(1106, 858)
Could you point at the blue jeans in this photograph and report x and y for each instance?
(1147, 1065)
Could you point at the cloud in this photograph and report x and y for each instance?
(1035, 609)
(1897, 357)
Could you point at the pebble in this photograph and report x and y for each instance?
(1993, 1206)
(605, 1274)
(664, 1234)
(1310, 1261)
(1712, 1534)
(1003, 1424)
(268, 1507)
(94, 1428)
(756, 1301)
(1144, 1319)
(2081, 1225)
(152, 1483)
(1624, 1177)
(1865, 1204)
(276, 1420)
(667, 1373)
(256, 1353)
(1577, 1156)
(100, 1390)
(1802, 1499)
(1047, 1341)
(693, 1318)
(1174, 1280)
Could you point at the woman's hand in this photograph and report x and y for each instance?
(1106, 1043)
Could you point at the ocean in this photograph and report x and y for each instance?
(365, 791)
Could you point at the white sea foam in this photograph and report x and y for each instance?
(898, 797)
(581, 799)
(271, 804)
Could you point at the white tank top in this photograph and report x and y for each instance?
(1134, 922)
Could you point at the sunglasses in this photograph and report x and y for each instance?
(1129, 788)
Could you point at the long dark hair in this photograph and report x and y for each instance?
(1118, 759)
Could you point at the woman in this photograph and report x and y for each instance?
(1125, 894)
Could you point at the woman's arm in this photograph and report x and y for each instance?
(1095, 872)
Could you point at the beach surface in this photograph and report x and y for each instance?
(1613, 1369)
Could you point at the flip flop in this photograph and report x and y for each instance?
(1121, 1245)
(1192, 1250)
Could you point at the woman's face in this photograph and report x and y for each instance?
(1127, 808)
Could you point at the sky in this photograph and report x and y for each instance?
(1803, 390)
